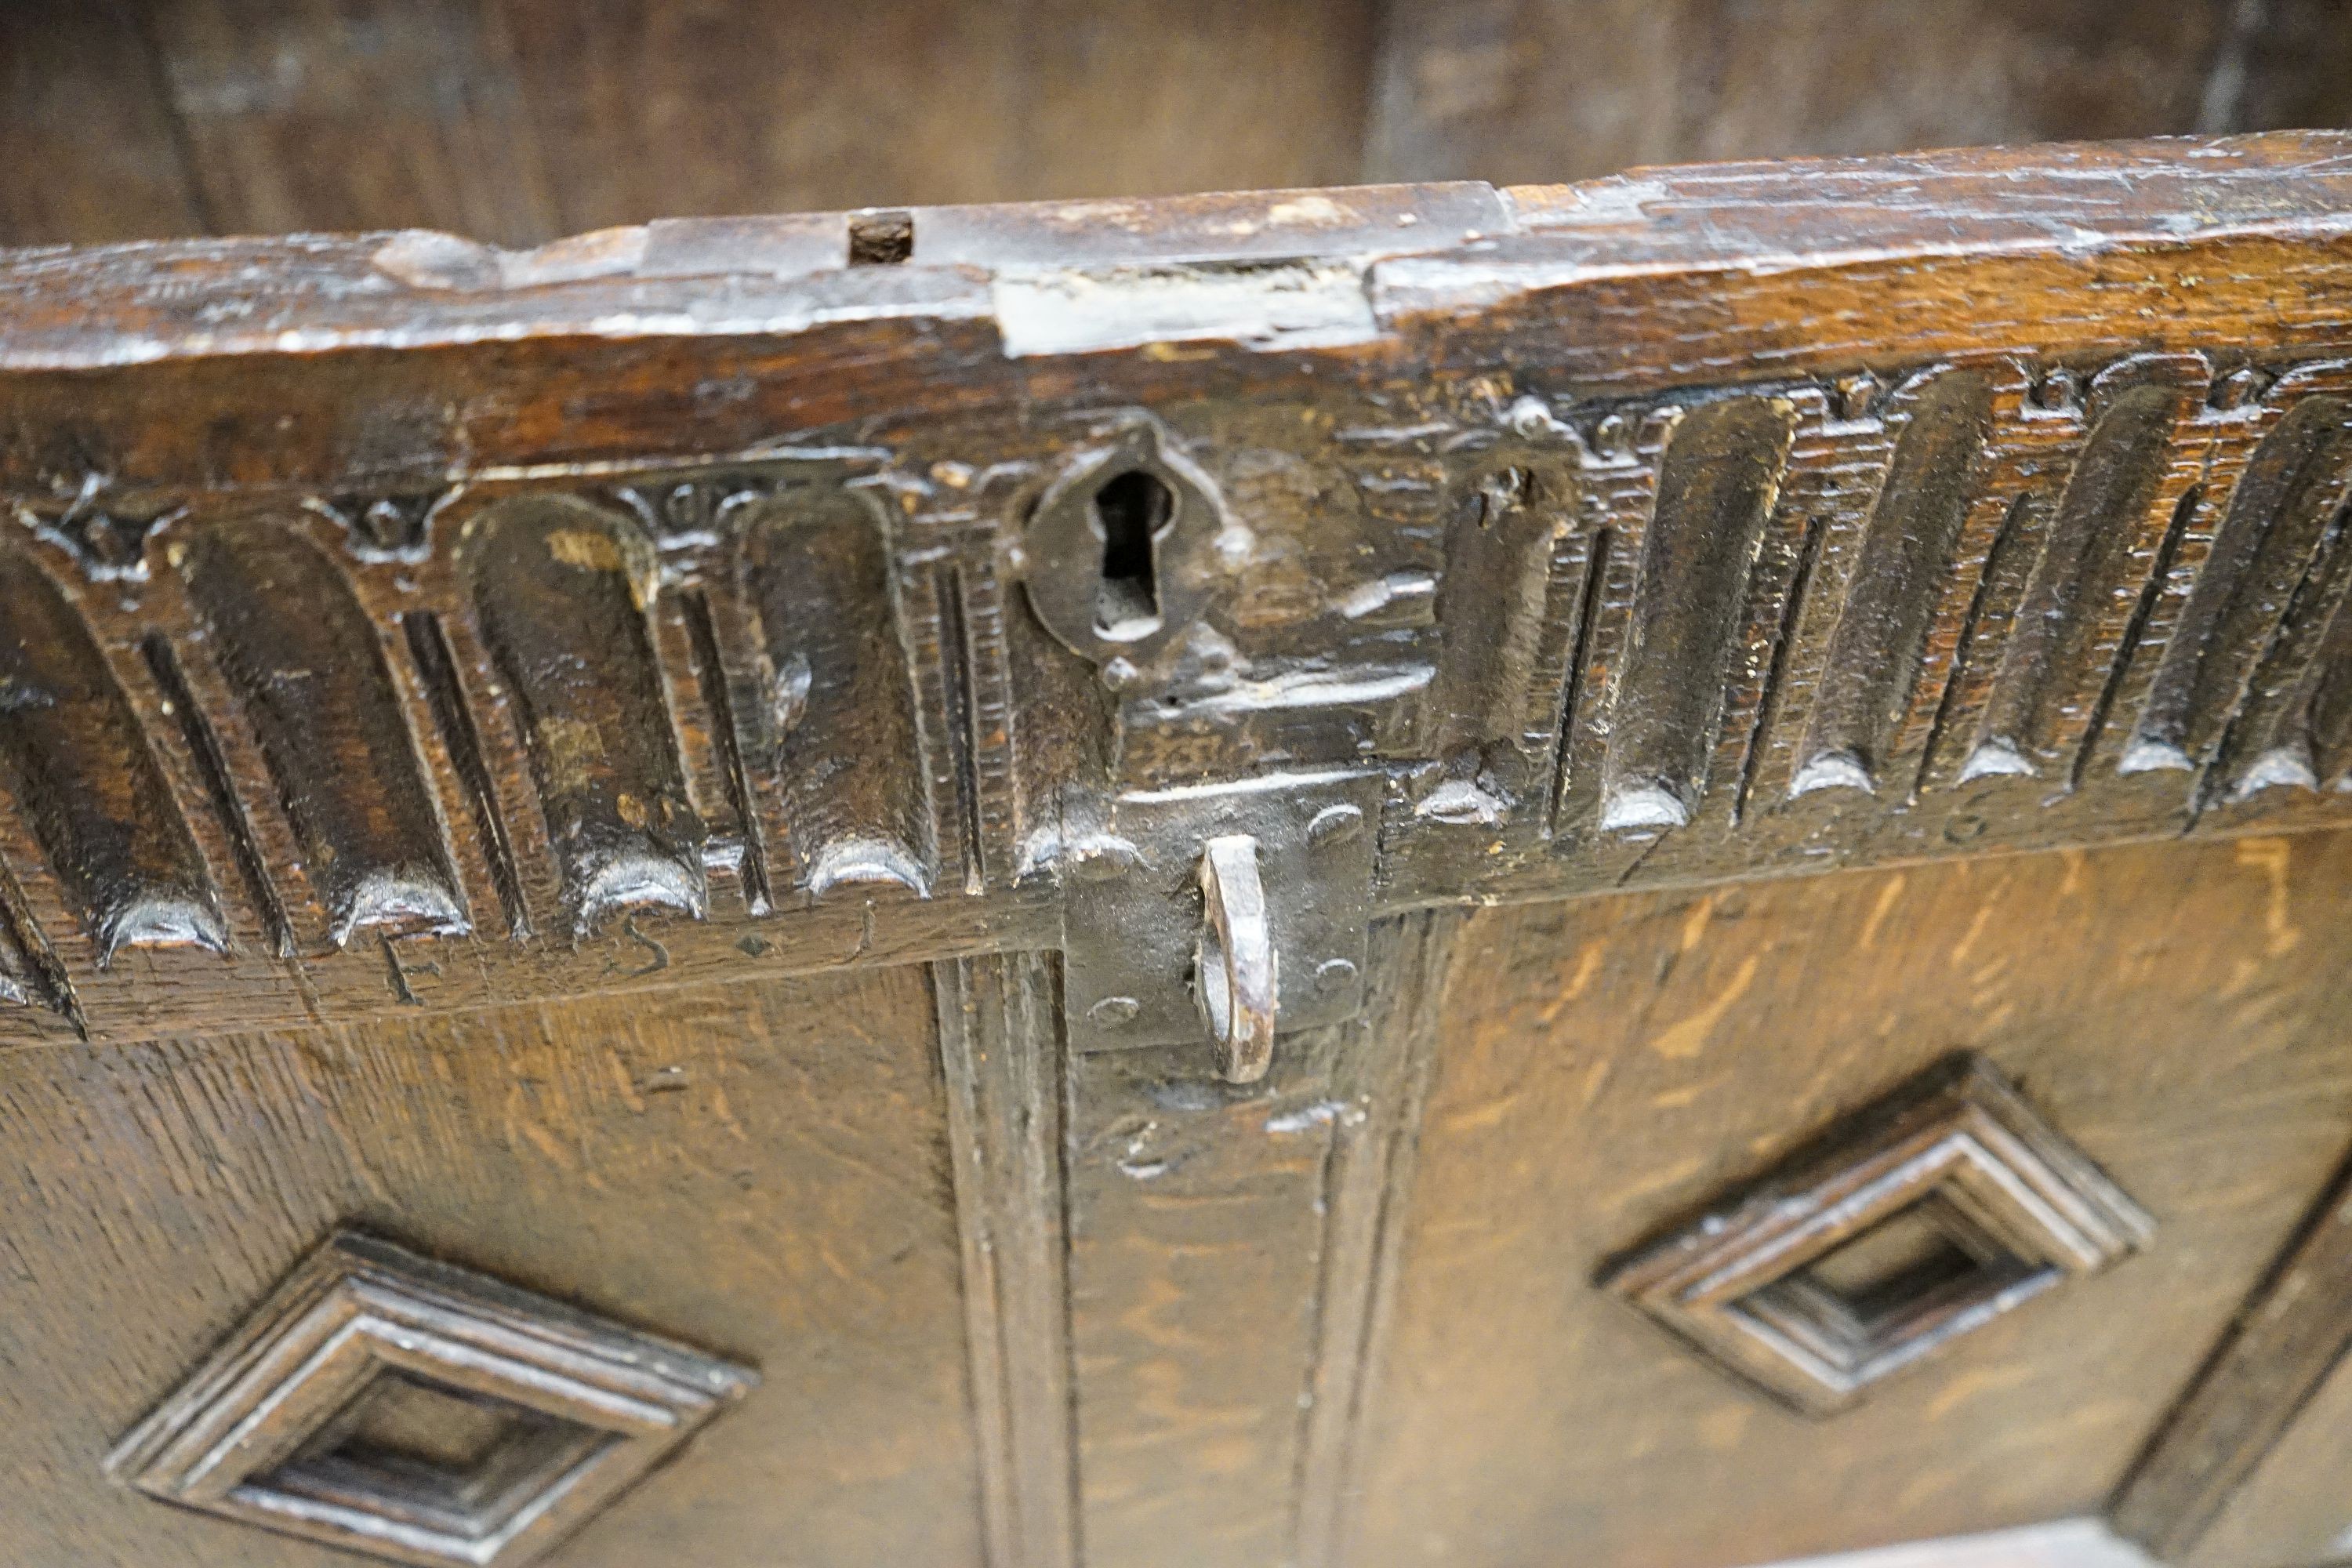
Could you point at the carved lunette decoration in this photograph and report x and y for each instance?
(562, 614)
(2290, 493)
(1907, 546)
(315, 688)
(2087, 558)
(706, 606)
(840, 703)
(1716, 485)
(86, 781)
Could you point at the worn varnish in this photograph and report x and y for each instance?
(1606, 1069)
(705, 771)
(1962, 579)
(764, 1172)
(1548, 90)
(513, 121)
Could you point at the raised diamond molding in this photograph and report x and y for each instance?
(1939, 1209)
(386, 1404)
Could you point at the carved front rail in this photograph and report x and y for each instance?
(394, 622)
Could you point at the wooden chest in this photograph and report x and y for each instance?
(1648, 874)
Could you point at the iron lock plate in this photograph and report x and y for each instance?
(1135, 911)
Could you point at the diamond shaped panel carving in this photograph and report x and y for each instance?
(1945, 1207)
(386, 1404)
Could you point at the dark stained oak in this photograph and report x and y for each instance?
(1167, 860)
(764, 1172)
(1552, 506)
(520, 121)
(516, 121)
(1606, 1067)
(2247, 1468)
(1548, 90)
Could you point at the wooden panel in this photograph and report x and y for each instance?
(763, 1172)
(649, 110)
(515, 121)
(398, 1406)
(851, 105)
(86, 132)
(2290, 1511)
(1922, 1219)
(1227, 1245)
(327, 114)
(1143, 97)
(2250, 1468)
(1606, 1067)
(685, 601)
(575, 494)
(1564, 89)
(2294, 57)
(1001, 1047)
(1195, 1247)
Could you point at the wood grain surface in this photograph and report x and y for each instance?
(761, 1171)
(80, 97)
(2248, 1468)
(1557, 508)
(1606, 1066)
(2289, 1508)
(516, 121)
(1228, 1245)
(1564, 89)
(580, 759)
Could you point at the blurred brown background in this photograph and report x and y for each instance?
(518, 120)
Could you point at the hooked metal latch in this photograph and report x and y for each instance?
(1237, 911)
(1235, 968)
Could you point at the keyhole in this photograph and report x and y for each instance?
(1131, 511)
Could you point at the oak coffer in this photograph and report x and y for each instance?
(1654, 874)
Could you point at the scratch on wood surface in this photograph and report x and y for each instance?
(1688, 1037)
(2272, 858)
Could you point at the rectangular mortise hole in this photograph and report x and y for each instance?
(881, 238)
